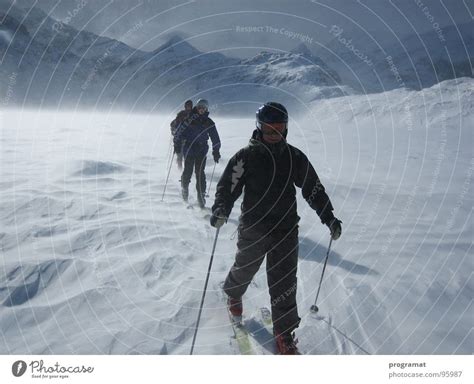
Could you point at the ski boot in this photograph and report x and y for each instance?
(286, 343)
(201, 200)
(185, 193)
(235, 306)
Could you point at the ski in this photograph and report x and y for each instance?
(266, 325)
(241, 334)
(266, 315)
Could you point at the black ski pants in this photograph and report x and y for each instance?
(196, 163)
(281, 251)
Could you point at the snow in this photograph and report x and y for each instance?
(93, 262)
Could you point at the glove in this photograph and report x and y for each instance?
(335, 228)
(218, 218)
(216, 155)
(177, 149)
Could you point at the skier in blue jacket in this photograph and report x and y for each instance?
(191, 140)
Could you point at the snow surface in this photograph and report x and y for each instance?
(93, 262)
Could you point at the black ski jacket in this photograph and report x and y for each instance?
(268, 174)
(180, 117)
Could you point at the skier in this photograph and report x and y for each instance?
(267, 170)
(191, 141)
(183, 114)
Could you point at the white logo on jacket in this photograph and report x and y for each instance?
(237, 172)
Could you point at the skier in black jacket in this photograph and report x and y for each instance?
(267, 170)
(174, 125)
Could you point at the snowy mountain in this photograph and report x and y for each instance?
(293, 77)
(52, 61)
(93, 262)
(56, 65)
(416, 61)
(381, 20)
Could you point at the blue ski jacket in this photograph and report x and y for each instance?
(192, 135)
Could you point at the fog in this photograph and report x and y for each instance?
(221, 25)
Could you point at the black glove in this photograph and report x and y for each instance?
(335, 228)
(216, 155)
(218, 218)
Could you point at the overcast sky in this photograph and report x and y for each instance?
(244, 27)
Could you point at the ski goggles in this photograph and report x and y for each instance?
(273, 129)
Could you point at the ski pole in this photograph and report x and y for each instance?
(314, 308)
(210, 182)
(167, 177)
(170, 148)
(204, 292)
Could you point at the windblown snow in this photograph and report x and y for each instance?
(94, 262)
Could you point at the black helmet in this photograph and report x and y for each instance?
(271, 112)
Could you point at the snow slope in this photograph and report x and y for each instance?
(415, 61)
(94, 262)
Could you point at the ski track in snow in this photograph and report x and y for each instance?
(94, 262)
